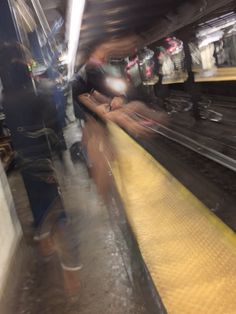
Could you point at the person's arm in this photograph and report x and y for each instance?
(91, 104)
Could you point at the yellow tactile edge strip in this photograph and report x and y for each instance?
(189, 252)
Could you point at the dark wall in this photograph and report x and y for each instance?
(227, 88)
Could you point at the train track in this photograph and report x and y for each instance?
(223, 177)
(207, 173)
(195, 146)
(192, 144)
(211, 182)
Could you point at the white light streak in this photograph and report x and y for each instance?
(75, 15)
(41, 16)
(24, 11)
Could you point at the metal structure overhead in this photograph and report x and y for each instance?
(119, 27)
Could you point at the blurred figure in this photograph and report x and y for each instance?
(31, 120)
(90, 77)
(99, 155)
(49, 87)
(93, 76)
(134, 116)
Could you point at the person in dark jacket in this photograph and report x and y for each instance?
(31, 121)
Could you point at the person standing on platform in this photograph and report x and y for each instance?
(31, 120)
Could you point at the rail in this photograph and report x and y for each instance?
(195, 146)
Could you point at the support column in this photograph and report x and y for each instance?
(190, 85)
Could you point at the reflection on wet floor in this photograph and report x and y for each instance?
(105, 286)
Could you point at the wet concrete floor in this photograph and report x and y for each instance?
(106, 286)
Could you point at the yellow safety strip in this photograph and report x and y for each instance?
(190, 253)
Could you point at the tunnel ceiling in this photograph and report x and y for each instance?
(119, 26)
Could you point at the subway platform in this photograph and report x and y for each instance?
(156, 249)
(106, 280)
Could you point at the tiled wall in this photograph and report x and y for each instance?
(10, 230)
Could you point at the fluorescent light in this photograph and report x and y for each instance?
(216, 24)
(75, 15)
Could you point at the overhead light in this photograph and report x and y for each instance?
(117, 85)
(216, 24)
(75, 15)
